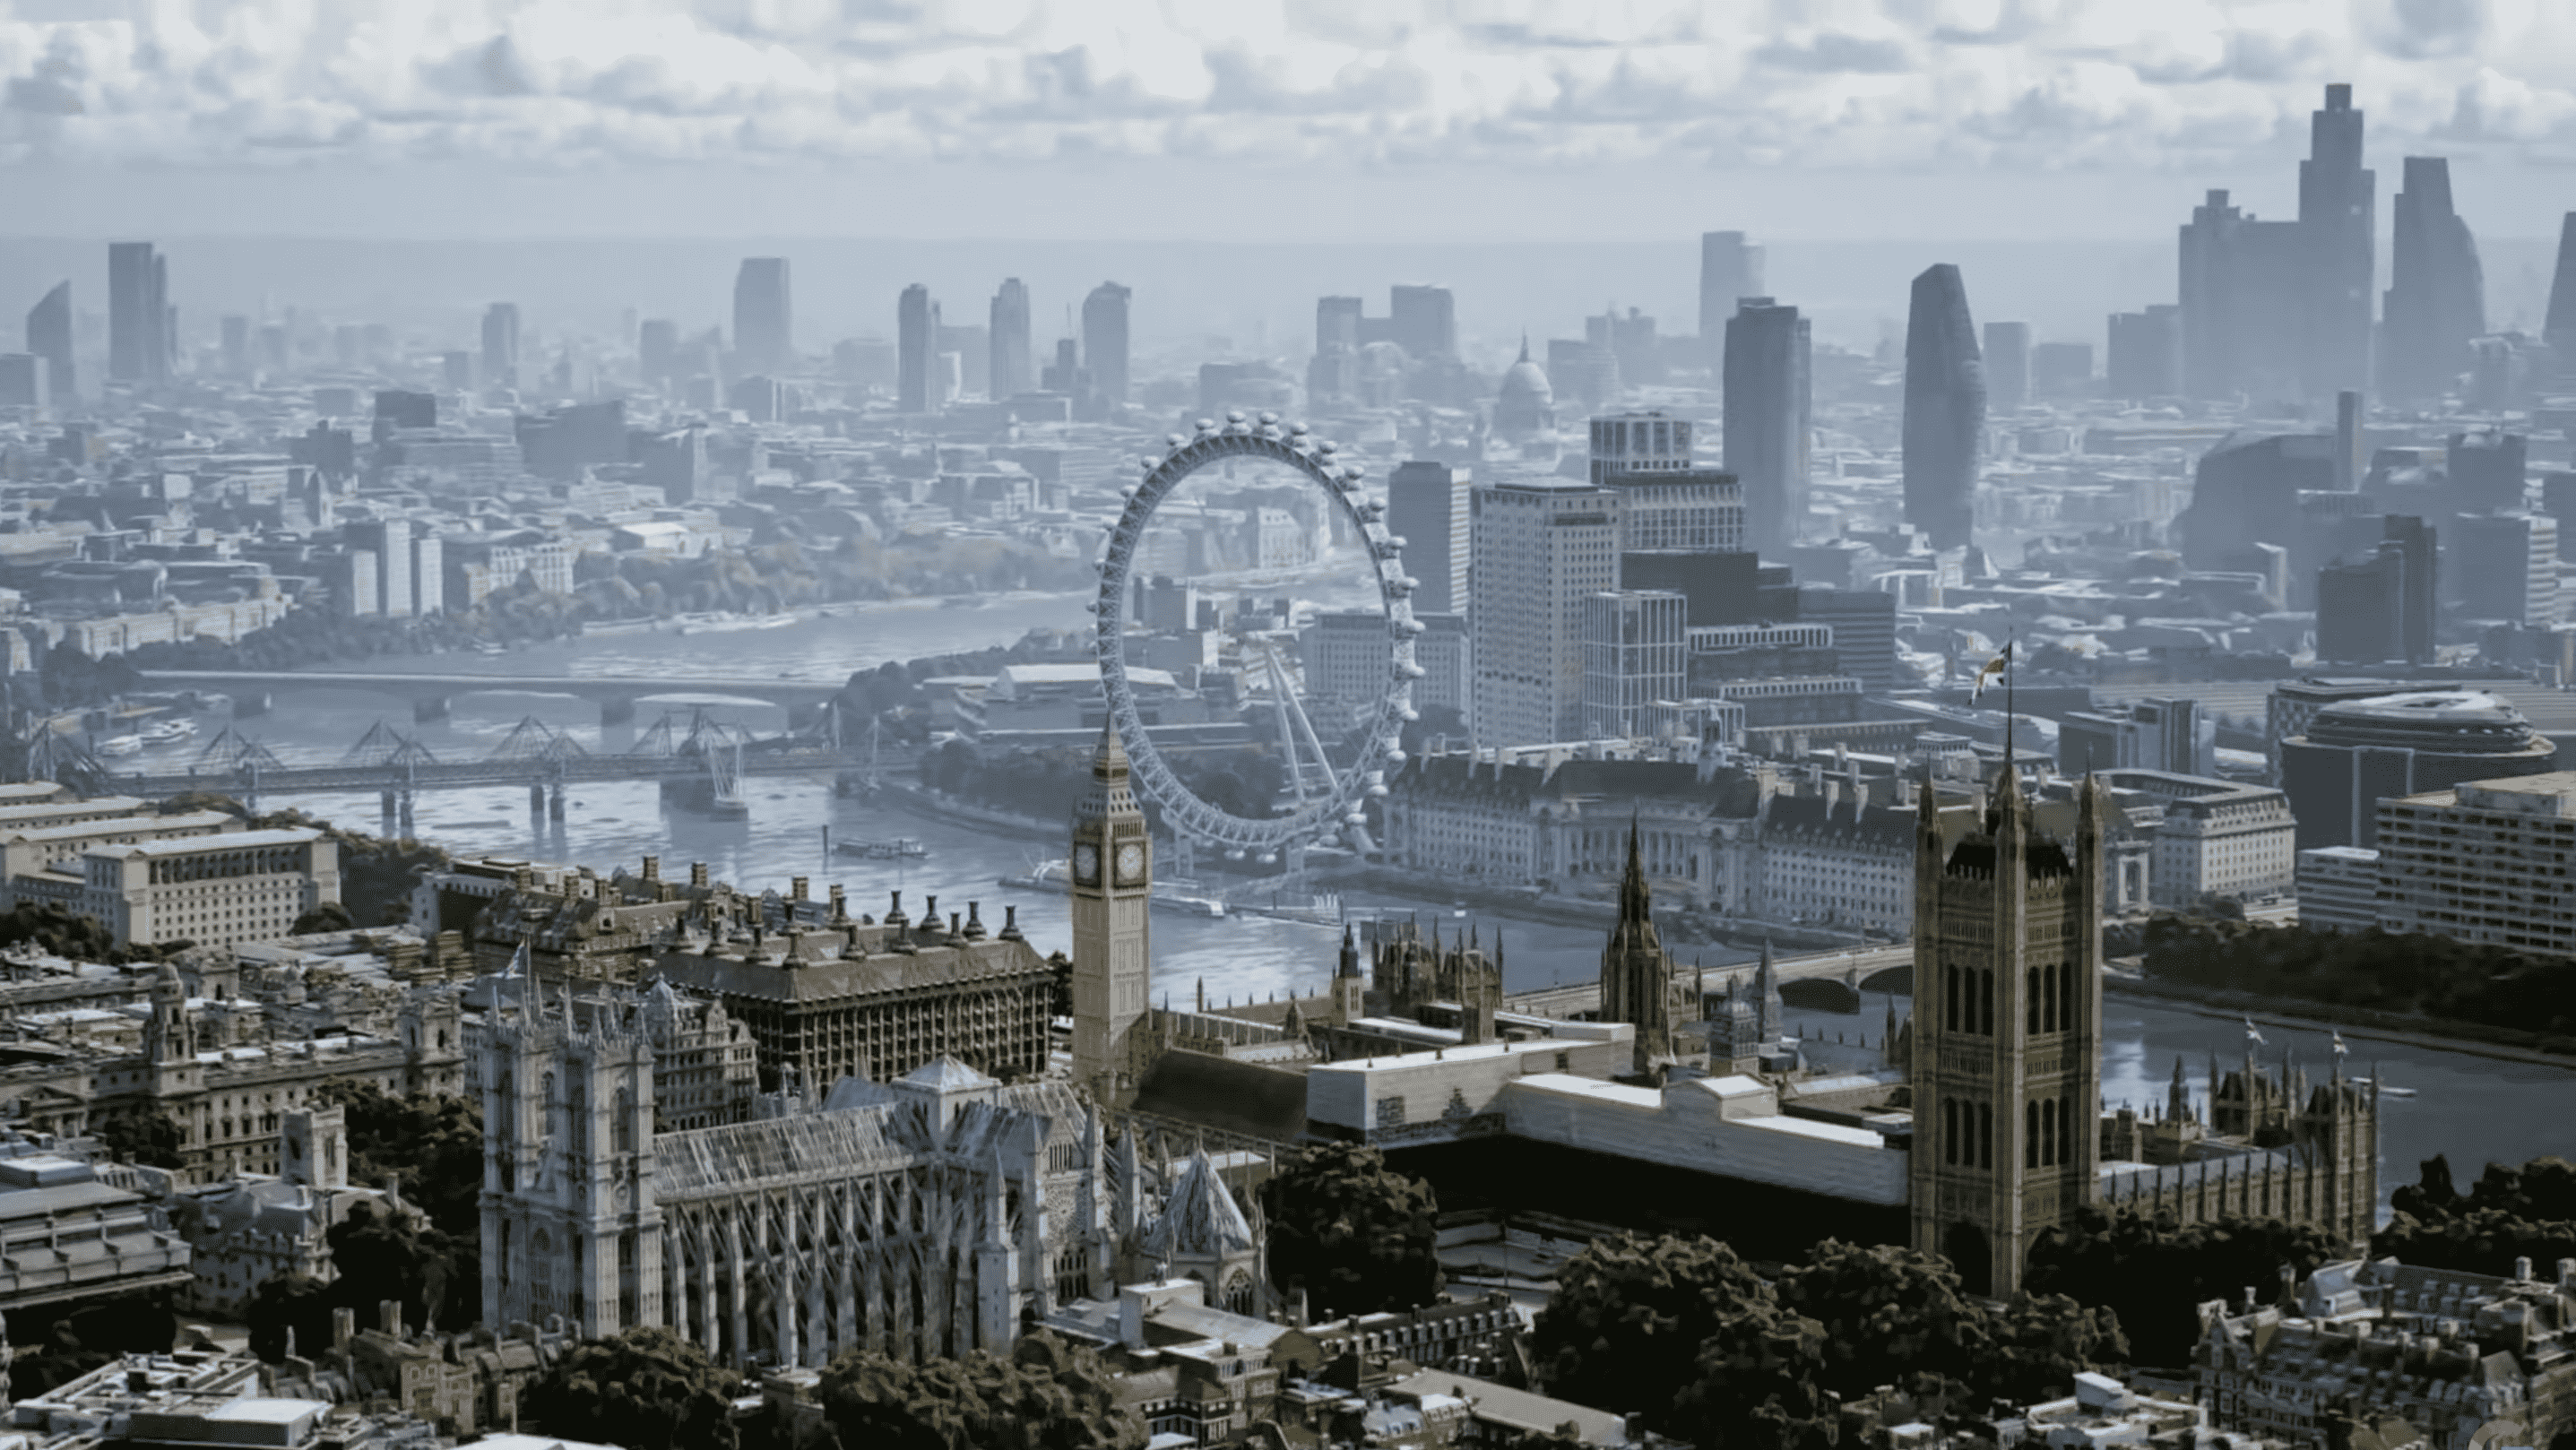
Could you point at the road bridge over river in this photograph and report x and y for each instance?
(430, 695)
(1832, 981)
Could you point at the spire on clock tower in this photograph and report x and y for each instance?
(1112, 879)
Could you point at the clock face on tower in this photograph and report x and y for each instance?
(1131, 862)
(1086, 863)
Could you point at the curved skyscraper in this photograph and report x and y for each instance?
(1945, 408)
(2436, 289)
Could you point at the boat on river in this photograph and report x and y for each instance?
(897, 848)
(2386, 1090)
(168, 732)
(121, 745)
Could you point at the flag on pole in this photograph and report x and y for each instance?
(2339, 1048)
(1991, 671)
(2252, 1032)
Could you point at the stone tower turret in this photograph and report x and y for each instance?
(1636, 971)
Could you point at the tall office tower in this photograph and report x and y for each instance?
(2335, 210)
(2418, 548)
(49, 336)
(657, 351)
(2490, 471)
(1945, 409)
(1427, 507)
(1012, 371)
(2007, 366)
(2359, 609)
(763, 319)
(1423, 321)
(1634, 656)
(1729, 272)
(501, 345)
(1667, 503)
(2146, 354)
(138, 313)
(2436, 289)
(916, 351)
(2243, 288)
(1104, 340)
(1537, 549)
(236, 335)
(2007, 1032)
(1768, 429)
(2505, 566)
(1334, 372)
(2559, 331)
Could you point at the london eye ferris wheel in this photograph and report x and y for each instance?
(1328, 798)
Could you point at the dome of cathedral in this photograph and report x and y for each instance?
(1525, 383)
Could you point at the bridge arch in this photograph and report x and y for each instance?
(1896, 980)
(1820, 994)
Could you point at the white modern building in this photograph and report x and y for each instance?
(2485, 861)
(1541, 547)
(1633, 657)
(2338, 888)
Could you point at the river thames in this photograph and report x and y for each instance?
(2471, 1107)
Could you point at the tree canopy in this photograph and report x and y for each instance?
(1356, 1235)
(2155, 1274)
(1682, 1330)
(432, 1143)
(646, 1389)
(1048, 1395)
(2509, 1213)
(148, 1136)
(2427, 976)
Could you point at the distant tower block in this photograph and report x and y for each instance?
(1945, 409)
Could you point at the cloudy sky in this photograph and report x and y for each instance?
(1281, 119)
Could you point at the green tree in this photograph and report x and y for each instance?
(1624, 1328)
(2154, 1274)
(2039, 1343)
(1356, 1235)
(52, 927)
(1760, 1384)
(2509, 1213)
(82, 1336)
(376, 1257)
(296, 1305)
(646, 1389)
(329, 916)
(1049, 1395)
(1889, 1315)
(146, 1136)
(433, 1144)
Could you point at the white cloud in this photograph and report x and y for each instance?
(1880, 83)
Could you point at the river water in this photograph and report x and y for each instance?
(2474, 1108)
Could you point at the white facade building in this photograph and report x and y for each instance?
(211, 890)
(1541, 547)
(1632, 658)
(2217, 839)
(2338, 888)
(2483, 862)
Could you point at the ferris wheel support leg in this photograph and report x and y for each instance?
(1185, 862)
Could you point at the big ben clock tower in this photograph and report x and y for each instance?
(1112, 870)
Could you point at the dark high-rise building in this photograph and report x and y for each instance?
(1945, 408)
(1768, 405)
(916, 351)
(2244, 298)
(1334, 371)
(2146, 354)
(2380, 608)
(1426, 506)
(2436, 289)
(657, 351)
(1729, 272)
(1012, 372)
(2559, 331)
(49, 336)
(2335, 211)
(1104, 340)
(139, 348)
(763, 320)
(1423, 321)
(2489, 471)
(501, 345)
(2007, 366)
